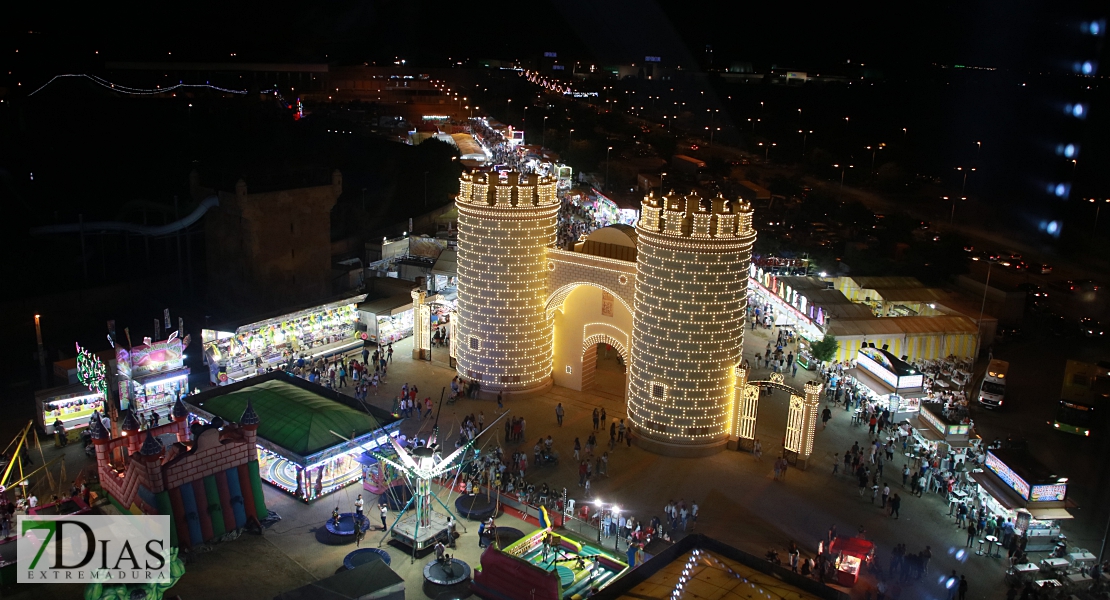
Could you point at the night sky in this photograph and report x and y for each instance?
(1018, 34)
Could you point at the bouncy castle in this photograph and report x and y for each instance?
(206, 480)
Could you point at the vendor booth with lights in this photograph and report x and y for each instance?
(888, 382)
(312, 441)
(792, 306)
(1015, 485)
(850, 555)
(236, 351)
(152, 376)
(71, 404)
(387, 320)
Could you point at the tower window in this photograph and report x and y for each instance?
(658, 391)
(473, 343)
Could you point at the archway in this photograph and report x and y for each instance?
(586, 315)
(801, 421)
(604, 364)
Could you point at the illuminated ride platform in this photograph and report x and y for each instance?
(311, 438)
(564, 569)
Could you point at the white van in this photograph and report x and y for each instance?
(993, 388)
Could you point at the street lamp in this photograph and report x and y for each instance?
(952, 217)
(804, 134)
(766, 150)
(570, 138)
(543, 135)
(1098, 208)
(661, 176)
(711, 131)
(607, 166)
(978, 149)
(964, 184)
(842, 168)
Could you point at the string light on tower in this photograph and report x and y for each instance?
(693, 254)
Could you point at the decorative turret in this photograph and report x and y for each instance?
(692, 260)
(97, 431)
(179, 411)
(503, 334)
(249, 418)
(151, 448)
(130, 425)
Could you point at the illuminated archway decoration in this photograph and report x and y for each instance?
(801, 421)
(591, 342)
(555, 301)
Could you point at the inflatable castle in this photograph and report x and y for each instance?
(207, 480)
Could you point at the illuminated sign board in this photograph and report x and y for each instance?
(1052, 492)
(1007, 474)
(556, 67)
(653, 59)
(876, 362)
(550, 54)
(158, 357)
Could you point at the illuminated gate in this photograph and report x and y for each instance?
(801, 421)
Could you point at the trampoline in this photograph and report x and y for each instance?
(444, 573)
(396, 497)
(364, 556)
(505, 536)
(476, 508)
(346, 526)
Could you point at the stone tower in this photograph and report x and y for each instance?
(692, 264)
(503, 336)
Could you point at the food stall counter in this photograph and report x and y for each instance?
(851, 555)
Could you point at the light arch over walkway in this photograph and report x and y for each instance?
(592, 341)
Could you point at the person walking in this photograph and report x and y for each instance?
(620, 431)
(757, 450)
(500, 405)
(358, 508)
(577, 449)
(559, 413)
(895, 504)
(963, 587)
(389, 353)
(886, 494)
(596, 419)
(693, 515)
(971, 531)
(385, 513)
(825, 416)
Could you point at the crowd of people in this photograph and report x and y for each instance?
(574, 221)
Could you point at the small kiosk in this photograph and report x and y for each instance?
(893, 373)
(72, 404)
(938, 429)
(387, 320)
(850, 556)
(1015, 485)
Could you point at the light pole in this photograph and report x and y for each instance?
(982, 308)
(842, 168)
(873, 152)
(767, 150)
(570, 137)
(543, 135)
(804, 134)
(952, 217)
(978, 149)
(963, 185)
(711, 131)
(1098, 207)
(607, 167)
(661, 176)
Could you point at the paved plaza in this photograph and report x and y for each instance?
(740, 502)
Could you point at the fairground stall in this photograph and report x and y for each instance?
(72, 404)
(310, 439)
(889, 382)
(152, 376)
(239, 350)
(942, 430)
(850, 555)
(387, 320)
(1016, 486)
(787, 301)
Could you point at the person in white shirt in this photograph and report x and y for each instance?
(358, 506)
(33, 501)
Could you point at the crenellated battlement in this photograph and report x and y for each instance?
(696, 217)
(507, 190)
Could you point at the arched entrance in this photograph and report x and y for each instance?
(801, 421)
(585, 315)
(604, 363)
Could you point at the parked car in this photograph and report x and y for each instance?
(1046, 269)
